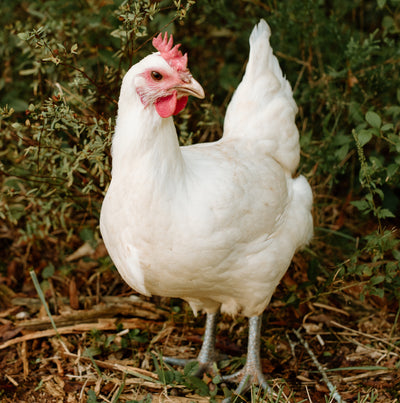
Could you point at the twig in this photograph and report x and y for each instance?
(368, 374)
(394, 347)
(110, 307)
(145, 378)
(12, 380)
(292, 345)
(25, 362)
(331, 387)
(110, 324)
(93, 82)
(308, 395)
(82, 391)
(115, 366)
(330, 308)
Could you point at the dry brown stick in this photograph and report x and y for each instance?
(25, 359)
(368, 374)
(142, 376)
(111, 308)
(353, 331)
(330, 308)
(109, 324)
(12, 380)
(114, 366)
(107, 300)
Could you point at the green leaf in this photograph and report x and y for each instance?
(313, 270)
(48, 271)
(191, 368)
(377, 279)
(391, 170)
(362, 205)
(199, 385)
(23, 35)
(373, 119)
(385, 213)
(396, 254)
(217, 379)
(379, 292)
(366, 270)
(92, 351)
(165, 376)
(168, 377)
(342, 152)
(379, 192)
(92, 396)
(87, 235)
(387, 126)
(364, 136)
(381, 3)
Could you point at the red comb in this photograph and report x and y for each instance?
(172, 55)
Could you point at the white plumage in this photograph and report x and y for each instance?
(216, 224)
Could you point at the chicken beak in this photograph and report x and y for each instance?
(192, 87)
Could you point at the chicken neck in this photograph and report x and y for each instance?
(145, 147)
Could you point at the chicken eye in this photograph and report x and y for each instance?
(155, 75)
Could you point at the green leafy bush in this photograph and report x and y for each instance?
(63, 65)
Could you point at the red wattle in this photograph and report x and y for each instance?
(170, 105)
(180, 105)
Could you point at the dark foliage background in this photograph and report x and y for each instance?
(62, 68)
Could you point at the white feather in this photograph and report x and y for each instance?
(263, 104)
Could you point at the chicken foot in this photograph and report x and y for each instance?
(251, 373)
(207, 355)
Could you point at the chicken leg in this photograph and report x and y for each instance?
(251, 373)
(207, 355)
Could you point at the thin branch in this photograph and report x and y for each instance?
(331, 387)
(391, 345)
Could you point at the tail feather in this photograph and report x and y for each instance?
(261, 57)
(263, 107)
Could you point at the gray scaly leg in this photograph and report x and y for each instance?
(251, 373)
(207, 355)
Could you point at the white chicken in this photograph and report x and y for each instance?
(215, 224)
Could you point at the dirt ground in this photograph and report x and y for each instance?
(106, 344)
